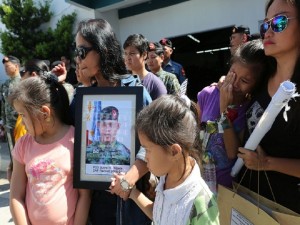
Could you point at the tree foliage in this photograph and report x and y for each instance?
(27, 35)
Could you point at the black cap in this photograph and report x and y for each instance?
(155, 47)
(166, 42)
(11, 59)
(109, 113)
(240, 29)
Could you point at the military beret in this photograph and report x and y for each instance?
(12, 59)
(109, 113)
(166, 42)
(240, 29)
(155, 47)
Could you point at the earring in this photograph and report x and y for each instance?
(248, 96)
(48, 119)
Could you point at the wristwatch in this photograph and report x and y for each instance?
(125, 185)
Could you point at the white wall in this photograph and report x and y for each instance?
(60, 7)
(113, 18)
(193, 16)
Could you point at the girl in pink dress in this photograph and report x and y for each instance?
(42, 180)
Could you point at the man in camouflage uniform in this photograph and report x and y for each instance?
(168, 64)
(154, 62)
(7, 112)
(108, 150)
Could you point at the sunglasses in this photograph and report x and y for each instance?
(30, 69)
(81, 52)
(5, 59)
(22, 73)
(277, 23)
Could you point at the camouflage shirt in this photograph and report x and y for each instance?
(8, 114)
(115, 153)
(204, 210)
(170, 80)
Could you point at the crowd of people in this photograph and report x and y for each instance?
(188, 148)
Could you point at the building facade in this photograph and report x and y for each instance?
(209, 21)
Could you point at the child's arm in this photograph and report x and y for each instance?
(232, 141)
(82, 207)
(138, 169)
(17, 194)
(145, 204)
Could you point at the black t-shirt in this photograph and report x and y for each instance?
(282, 140)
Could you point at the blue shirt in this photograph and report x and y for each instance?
(175, 68)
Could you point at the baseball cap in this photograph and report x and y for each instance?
(166, 42)
(11, 58)
(240, 29)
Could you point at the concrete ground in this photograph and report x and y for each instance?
(5, 216)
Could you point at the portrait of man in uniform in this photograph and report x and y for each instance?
(108, 150)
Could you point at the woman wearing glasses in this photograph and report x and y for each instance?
(98, 53)
(275, 165)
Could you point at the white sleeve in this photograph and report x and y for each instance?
(141, 154)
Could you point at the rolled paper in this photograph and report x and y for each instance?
(280, 99)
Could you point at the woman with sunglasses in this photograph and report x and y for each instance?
(99, 54)
(274, 167)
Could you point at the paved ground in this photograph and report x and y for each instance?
(5, 216)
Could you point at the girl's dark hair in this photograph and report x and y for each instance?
(36, 65)
(138, 41)
(169, 120)
(100, 35)
(252, 55)
(295, 3)
(34, 92)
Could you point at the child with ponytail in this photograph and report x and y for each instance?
(41, 190)
(168, 129)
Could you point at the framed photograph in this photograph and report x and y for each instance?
(105, 138)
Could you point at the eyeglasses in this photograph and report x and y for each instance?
(30, 69)
(277, 23)
(81, 52)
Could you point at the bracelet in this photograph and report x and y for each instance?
(231, 112)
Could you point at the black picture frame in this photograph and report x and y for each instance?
(90, 168)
